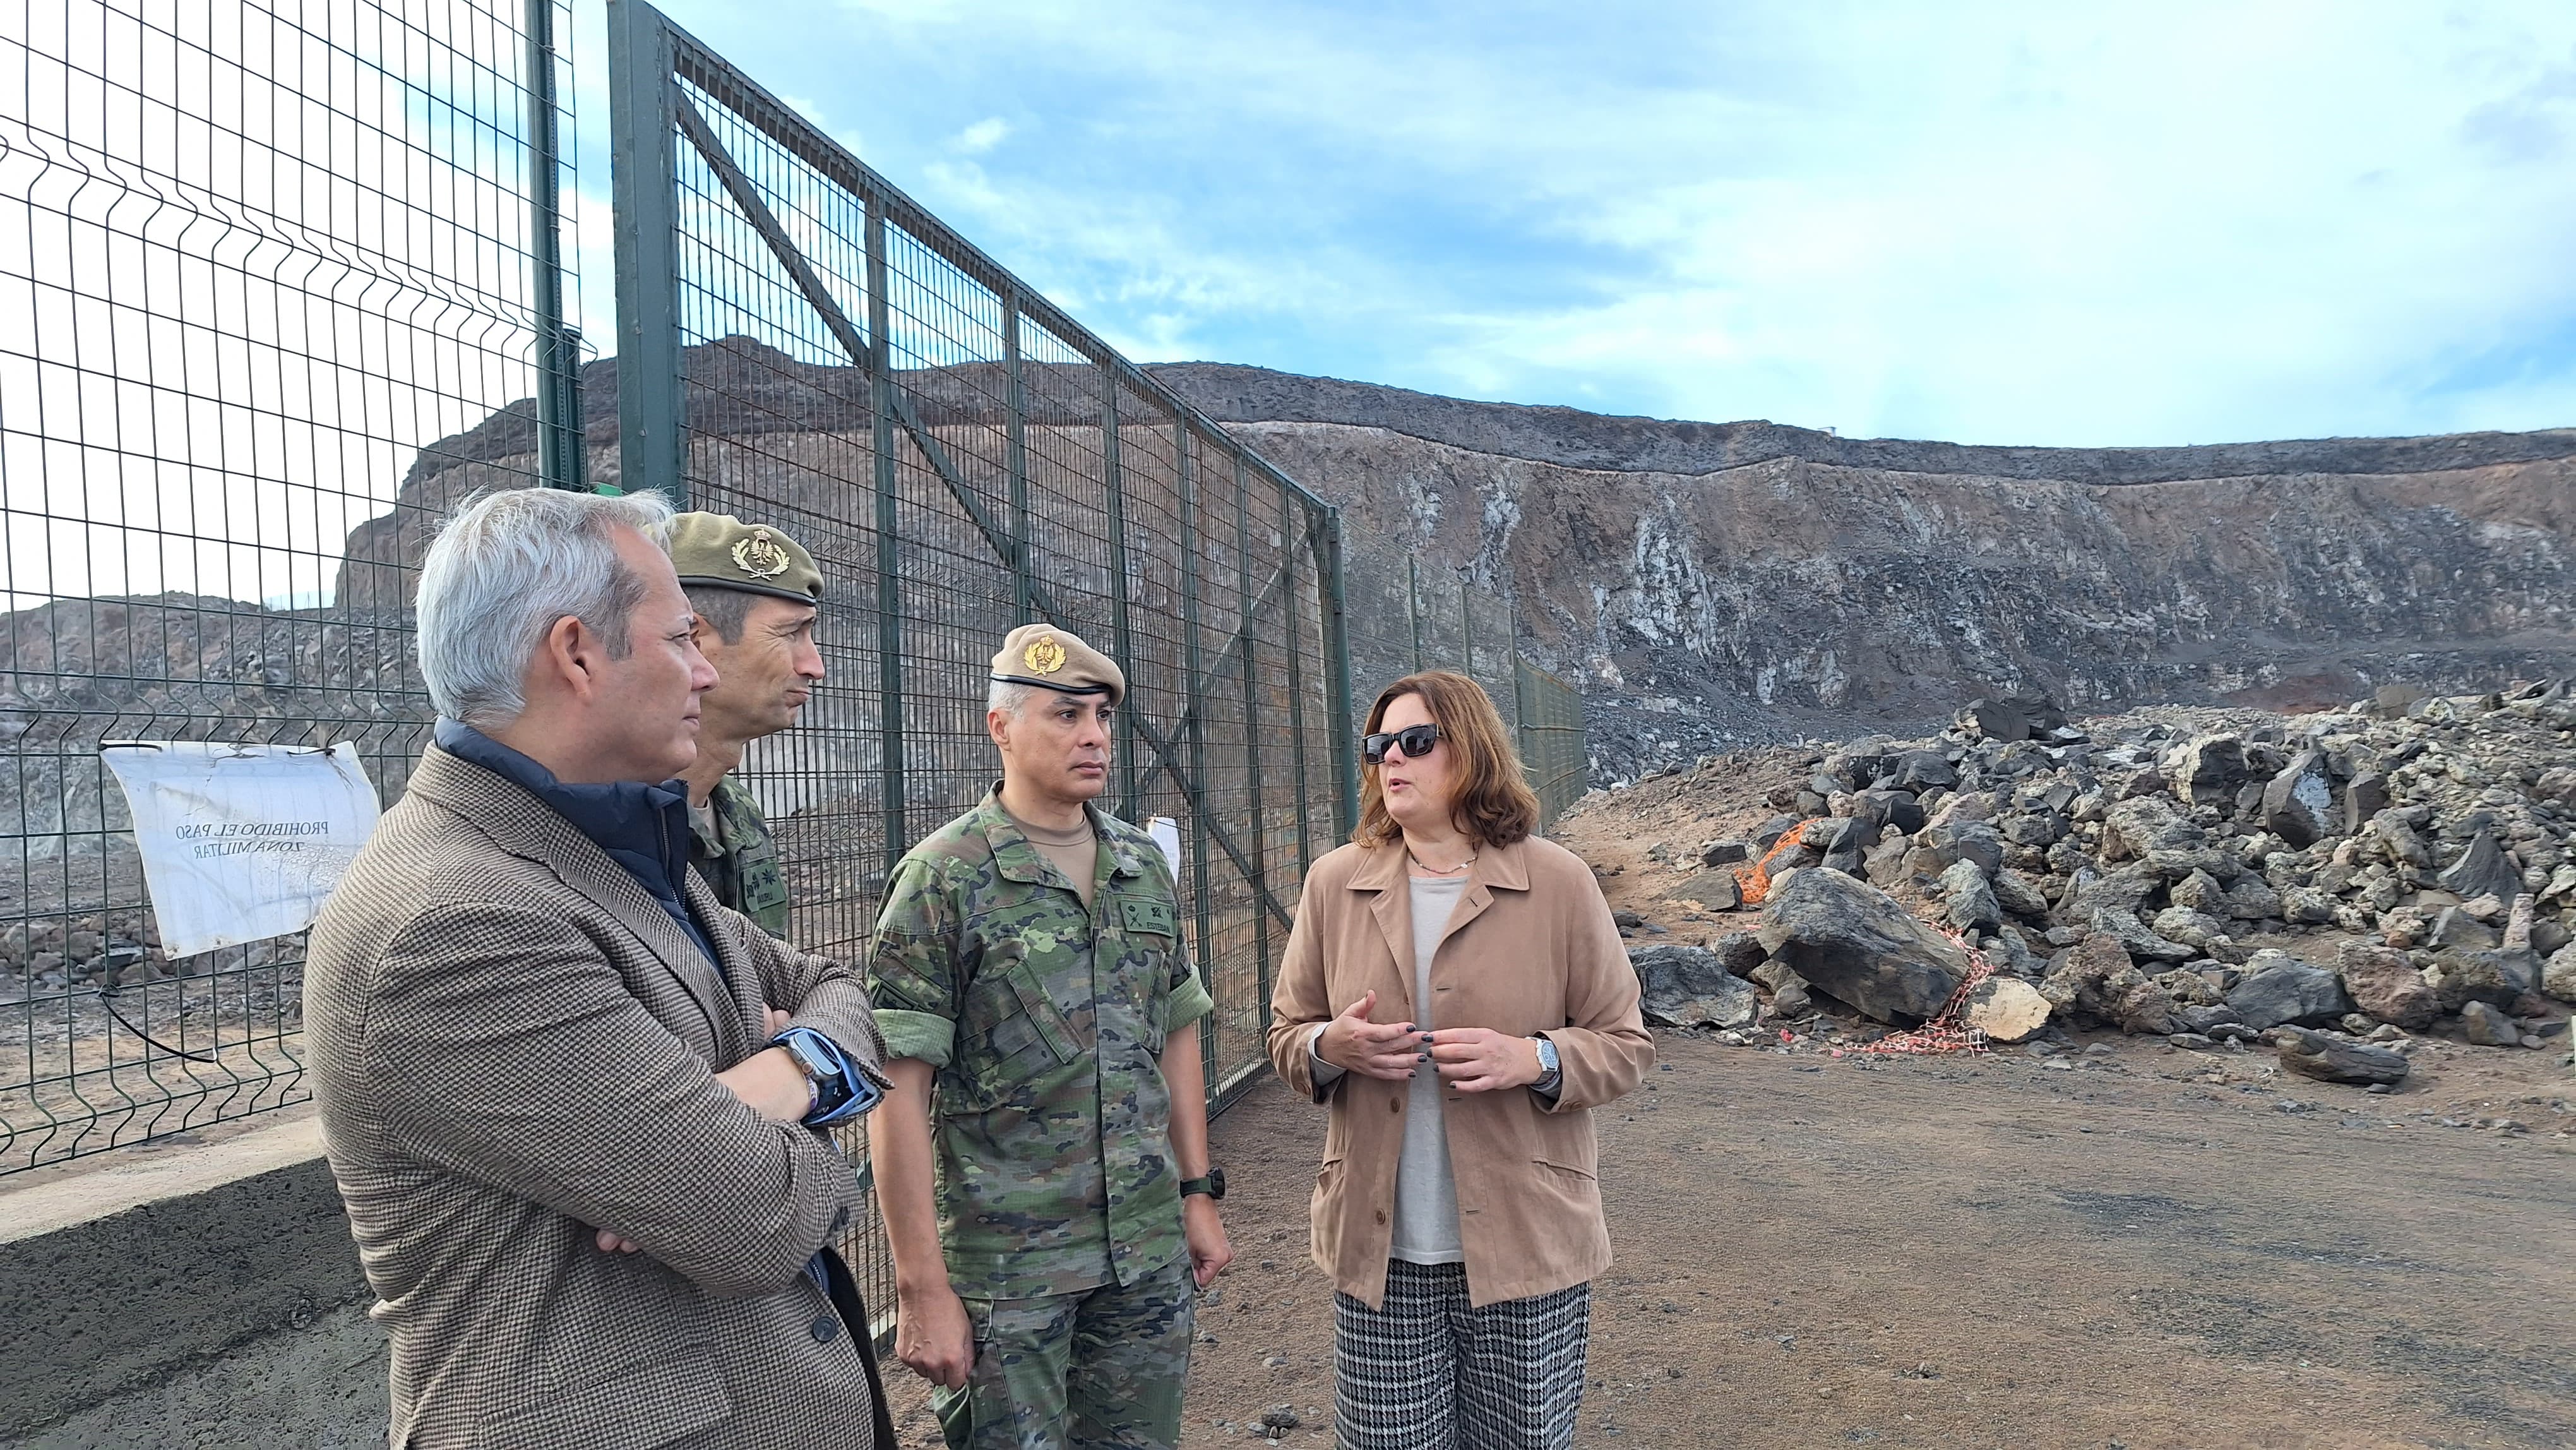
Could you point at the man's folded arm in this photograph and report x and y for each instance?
(817, 992)
(503, 1046)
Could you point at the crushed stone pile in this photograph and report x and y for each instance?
(2333, 884)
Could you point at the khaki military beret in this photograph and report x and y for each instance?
(723, 552)
(1057, 659)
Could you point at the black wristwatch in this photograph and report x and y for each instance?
(1213, 1185)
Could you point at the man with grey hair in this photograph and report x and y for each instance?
(573, 1103)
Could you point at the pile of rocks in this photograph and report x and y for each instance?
(2397, 866)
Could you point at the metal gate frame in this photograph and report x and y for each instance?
(651, 116)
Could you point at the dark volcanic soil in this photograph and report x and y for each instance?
(1984, 1252)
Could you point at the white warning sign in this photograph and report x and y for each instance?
(241, 842)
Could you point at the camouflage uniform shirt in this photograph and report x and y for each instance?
(1044, 1022)
(740, 859)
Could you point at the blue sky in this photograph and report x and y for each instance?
(2039, 223)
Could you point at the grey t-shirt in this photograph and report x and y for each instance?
(1426, 1195)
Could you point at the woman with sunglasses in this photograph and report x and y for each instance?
(1456, 994)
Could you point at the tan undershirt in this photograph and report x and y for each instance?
(1080, 864)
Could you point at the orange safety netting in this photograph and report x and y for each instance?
(1944, 1031)
(1756, 883)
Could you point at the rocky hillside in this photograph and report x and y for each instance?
(1713, 585)
(2348, 885)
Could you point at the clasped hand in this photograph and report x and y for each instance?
(1470, 1059)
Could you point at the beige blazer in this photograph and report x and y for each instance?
(512, 1045)
(1531, 951)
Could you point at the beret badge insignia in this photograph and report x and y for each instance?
(1044, 656)
(760, 556)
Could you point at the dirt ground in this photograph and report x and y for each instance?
(2135, 1246)
(1989, 1252)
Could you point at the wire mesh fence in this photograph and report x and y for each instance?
(961, 458)
(1404, 618)
(279, 287)
(253, 257)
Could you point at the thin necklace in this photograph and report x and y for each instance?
(1440, 870)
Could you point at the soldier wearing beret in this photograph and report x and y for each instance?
(756, 592)
(1037, 995)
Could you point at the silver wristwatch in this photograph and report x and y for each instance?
(1549, 1074)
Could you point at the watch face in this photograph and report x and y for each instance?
(1216, 1183)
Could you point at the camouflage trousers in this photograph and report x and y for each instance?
(1098, 1370)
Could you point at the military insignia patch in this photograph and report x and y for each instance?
(1044, 656)
(760, 556)
(1144, 914)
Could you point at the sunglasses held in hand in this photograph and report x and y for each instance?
(1414, 740)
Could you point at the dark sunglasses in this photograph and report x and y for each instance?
(1415, 741)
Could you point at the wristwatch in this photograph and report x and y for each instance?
(827, 1089)
(1549, 1074)
(1213, 1185)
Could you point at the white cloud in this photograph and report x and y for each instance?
(1994, 222)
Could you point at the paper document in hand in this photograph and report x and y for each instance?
(241, 842)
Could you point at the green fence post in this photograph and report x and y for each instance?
(1290, 508)
(1122, 645)
(1337, 673)
(889, 552)
(1016, 460)
(1251, 730)
(559, 440)
(644, 178)
(1194, 707)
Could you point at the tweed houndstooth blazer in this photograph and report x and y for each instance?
(513, 1045)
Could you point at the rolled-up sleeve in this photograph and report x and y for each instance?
(912, 967)
(1188, 999)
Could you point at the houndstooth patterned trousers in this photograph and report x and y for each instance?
(1430, 1372)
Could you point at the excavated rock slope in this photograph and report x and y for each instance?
(1720, 584)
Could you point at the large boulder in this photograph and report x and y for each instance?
(2493, 977)
(2096, 984)
(2338, 1059)
(1739, 952)
(1718, 890)
(1851, 939)
(1920, 770)
(1971, 901)
(2019, 895)
(1683, 986)
(2147, 823)
(2278, 988)
(1994, 720)
(2209, 768)
(2399, 841)
(2382, 982)
(2298, 804)
(2134, 937)
(2007, 1009)
(2558, 978)
(2482, 870)
(2486, 1026)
